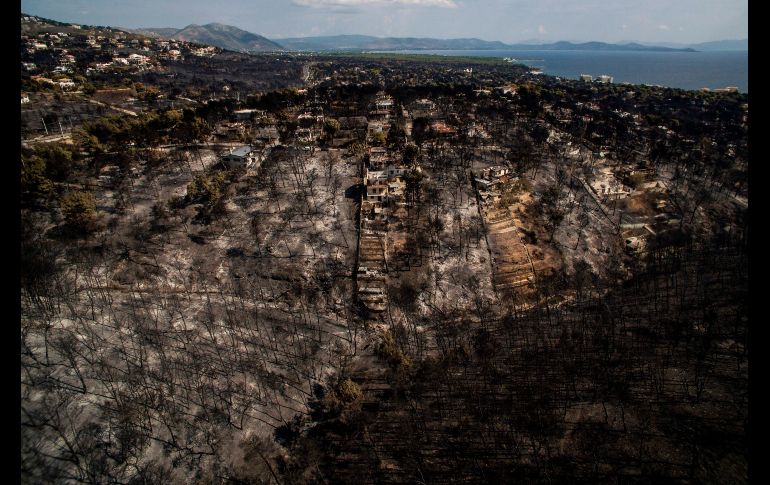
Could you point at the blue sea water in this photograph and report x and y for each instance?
(686, 70)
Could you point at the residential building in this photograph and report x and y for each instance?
(241, 157)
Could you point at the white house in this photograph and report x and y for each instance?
(243, 156)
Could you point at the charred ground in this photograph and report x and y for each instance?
(560, 270)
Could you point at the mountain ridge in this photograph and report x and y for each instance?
(216, 34)
(236, 39)
(367, 42)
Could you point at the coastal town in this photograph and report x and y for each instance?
(296, 267)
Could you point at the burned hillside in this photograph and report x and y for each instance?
(377, 269)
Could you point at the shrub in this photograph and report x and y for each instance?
(349, 392)
(345, 396)
(388, 349)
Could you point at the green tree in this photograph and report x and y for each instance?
(206, 188)
(192, 127)
(87, 142)
(33, 177)
(58, 160)
(378, 139)
(331, 127)
(79, 210)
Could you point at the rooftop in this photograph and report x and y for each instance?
(241, 151)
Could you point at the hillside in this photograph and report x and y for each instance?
(374, 268)
(723, 45)
(166, 32)
(219, 35)
(598, 46)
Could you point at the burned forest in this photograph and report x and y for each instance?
(360, 268)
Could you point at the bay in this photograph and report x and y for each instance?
(685, 70)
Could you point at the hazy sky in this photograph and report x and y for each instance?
(685, 21)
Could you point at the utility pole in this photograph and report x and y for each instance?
(44, 127)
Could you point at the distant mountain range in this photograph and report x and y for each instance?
(219, 35)
(233, 38)
(366, 42)
(596, 46)
(717, 45)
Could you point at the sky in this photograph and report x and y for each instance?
(662, 21)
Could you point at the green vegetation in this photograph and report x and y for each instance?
(149, 128)
(418, 57)
(331, 127)
(206, 189)
(44, 166)
(378, 139)
(34, 179)
(388, 350)
(349, 392)
(357, 148)
(344, 398)
(79, 210)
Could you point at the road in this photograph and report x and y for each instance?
(128, 112)
(47, 138)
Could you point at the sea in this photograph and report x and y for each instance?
(685, 70)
